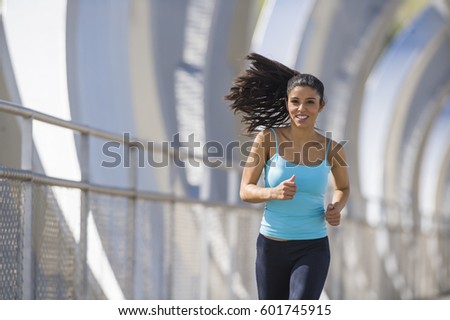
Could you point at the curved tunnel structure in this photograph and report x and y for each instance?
(158, 70)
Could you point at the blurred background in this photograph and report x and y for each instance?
(76, 75)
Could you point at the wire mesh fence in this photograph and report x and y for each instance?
(132, 248)
(124, 247)
(62, 239)
(11, 237)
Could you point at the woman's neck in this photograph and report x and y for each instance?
(302, 134)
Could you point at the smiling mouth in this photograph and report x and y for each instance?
(301, 117)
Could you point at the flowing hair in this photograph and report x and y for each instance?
(259, 93)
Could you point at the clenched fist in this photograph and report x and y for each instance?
(285, 190)
(333, 215)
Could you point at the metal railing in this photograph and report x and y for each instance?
(37, 191)
(161, 246)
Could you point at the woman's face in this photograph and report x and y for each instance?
(304, 105)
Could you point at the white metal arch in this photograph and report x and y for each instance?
(382, 91)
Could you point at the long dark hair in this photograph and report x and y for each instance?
(259, 93)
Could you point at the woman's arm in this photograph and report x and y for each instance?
(250, 191)
(341, 187)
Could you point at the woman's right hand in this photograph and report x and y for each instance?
(285, 190)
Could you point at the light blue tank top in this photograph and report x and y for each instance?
(302, 217)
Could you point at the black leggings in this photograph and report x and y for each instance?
(294, 269)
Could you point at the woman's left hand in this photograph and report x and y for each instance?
(333, 215)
